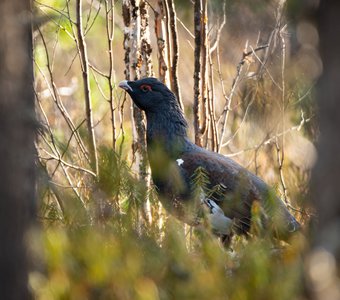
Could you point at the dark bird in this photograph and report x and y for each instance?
(232, 194)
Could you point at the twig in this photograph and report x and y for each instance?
(94, 68)
(109, 9)
(219, 31)
(121, 121)
(65, 163)
(67, 16)
(98, 85)
(279, 150)
(87, 26)
(280, 160)
(301, 98)
(211, 105)
(186, 28)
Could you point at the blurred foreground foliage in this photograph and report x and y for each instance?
(113, 252)
(97, 262)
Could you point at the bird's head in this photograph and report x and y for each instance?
(150, 95)
(166, 124)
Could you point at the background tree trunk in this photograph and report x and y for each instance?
(325, 257)
(326, 174)
(17, 126)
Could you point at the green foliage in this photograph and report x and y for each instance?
(124, 257)
(200, 182)
(97, 263)
(115, 177)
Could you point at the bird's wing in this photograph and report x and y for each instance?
(233, 188)
(228, 185)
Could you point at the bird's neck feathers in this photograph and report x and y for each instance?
(167, 127)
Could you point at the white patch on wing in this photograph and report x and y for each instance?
(218, 221)
(214, 208)
(180, 161)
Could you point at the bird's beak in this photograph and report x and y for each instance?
(125, 86)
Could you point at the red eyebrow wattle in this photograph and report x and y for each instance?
(146, 87)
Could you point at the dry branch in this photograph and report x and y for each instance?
(160, 30)
(201, 84)
(109, 11)
(175, 50)
(197, 72)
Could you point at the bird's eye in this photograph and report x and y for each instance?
(145, 88)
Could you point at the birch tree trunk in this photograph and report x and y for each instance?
(133, 62)
(138, 65)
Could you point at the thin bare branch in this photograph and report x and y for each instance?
(98, 85)
(186, 28)
(226, 111)
(65, 163)
(211, 105)
(109, 9)
(89, 25)
(60, 12)
(280, 150)
(219, 30)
